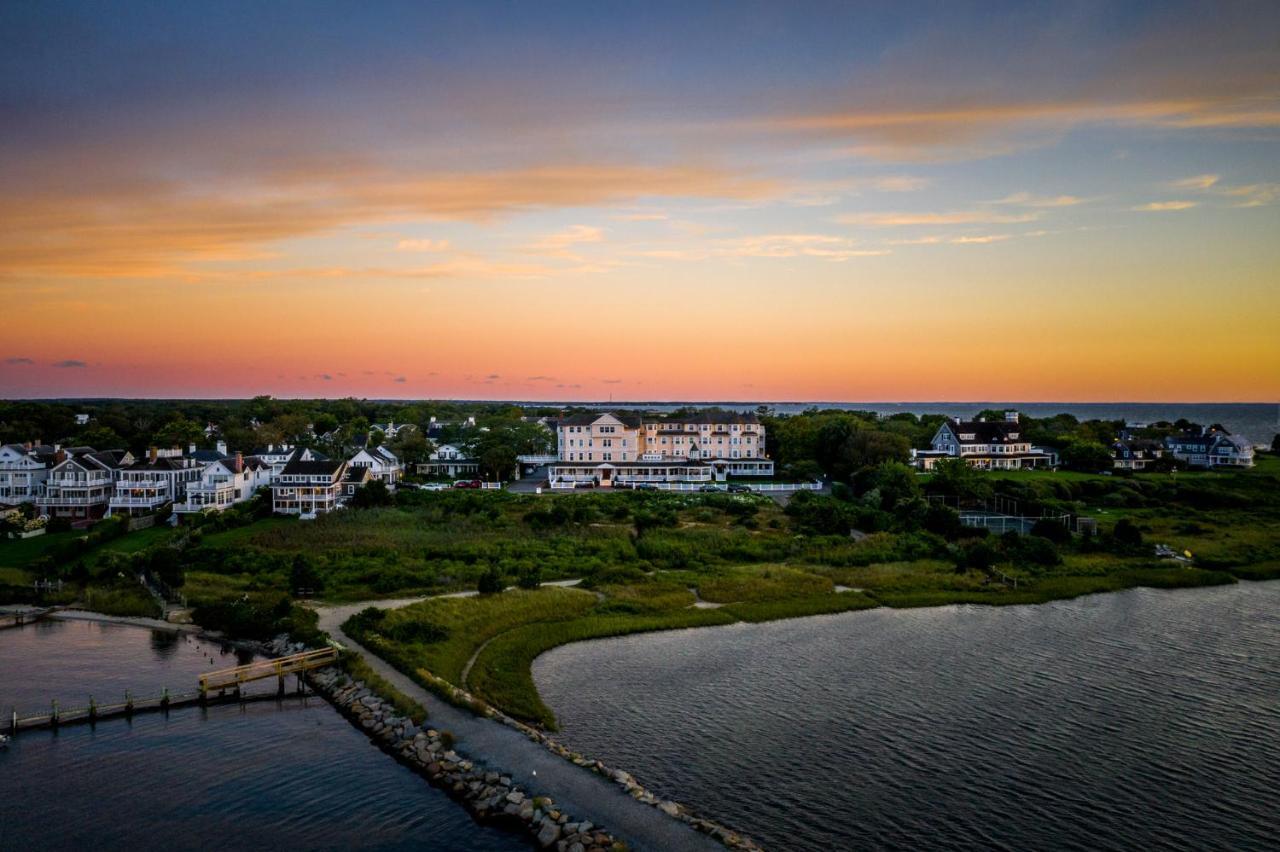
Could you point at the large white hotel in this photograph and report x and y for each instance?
(626, 448)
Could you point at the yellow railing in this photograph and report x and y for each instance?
(232, 678)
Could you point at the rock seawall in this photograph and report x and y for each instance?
(488, 794)
(625, 780)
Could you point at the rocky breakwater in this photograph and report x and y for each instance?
(489, 794)
(725, 835)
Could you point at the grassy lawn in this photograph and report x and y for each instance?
(17, 553)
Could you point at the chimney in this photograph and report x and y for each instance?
(222, 448)
(59, 455)
(27, 446)
(239, 465)
(153, 454)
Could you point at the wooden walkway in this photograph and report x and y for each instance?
(225, 679)
(219, 687)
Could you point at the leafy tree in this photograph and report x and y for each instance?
(1275, 444)
(1086, 456)
(490, 582)
(303, 576)
(1051, 530)
(530, 577)
(1127, 537)
(955, 477)
(371, 495)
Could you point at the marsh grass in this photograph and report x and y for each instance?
(502, 673)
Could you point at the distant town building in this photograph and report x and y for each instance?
(224, 483)
(626, 448)
(984, 444)
(144, 486)
(1136, 453)
(81, 482)
(449, 460)
(23, 470)
(1210, 448)
(383, 464)
(308, 487)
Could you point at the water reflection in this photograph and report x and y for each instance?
(1096, 723)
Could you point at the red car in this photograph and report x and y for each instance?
(468, 483)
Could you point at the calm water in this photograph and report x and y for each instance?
(1145, 719)
(291, 774)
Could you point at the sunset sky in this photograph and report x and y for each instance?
(776, 201)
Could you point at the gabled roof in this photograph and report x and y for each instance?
(358, 474)
(315, 467)
(989, 431)
(626, 418)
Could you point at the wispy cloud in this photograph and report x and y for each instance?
(1165, 206)
(558, 245)
(980, 240)
(423, 245)
(19, 361)
(540, 378)
(1196, 182)
(1026, 199)
(157, 229)
(795, 245)
(70, 363)
(1252, 195)
(400, 380)
(954, 217)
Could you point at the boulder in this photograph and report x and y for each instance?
(549, 834)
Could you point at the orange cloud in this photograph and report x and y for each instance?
(156, 230)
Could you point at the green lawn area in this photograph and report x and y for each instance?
(18, 553)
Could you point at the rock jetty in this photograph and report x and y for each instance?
(487, 793)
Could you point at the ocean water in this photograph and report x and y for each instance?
(291, 774)
(1139, 720)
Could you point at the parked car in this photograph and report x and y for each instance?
(469, 483)
(714, 487)
(739, 488)
(645, 486)
(435, 486)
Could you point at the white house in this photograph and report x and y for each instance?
(225, 483)
(23, 470)
(382, 463)
(985, 444)
(1212, 448)
(624, 448)
(449, 460)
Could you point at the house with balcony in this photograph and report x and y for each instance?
(450, 461)
(224, 483)
(383, 464)
(1213, 448)
(23, 470)
(627, 449)
(985, 444)
(81, 482)
(308, 487)
(144, 486)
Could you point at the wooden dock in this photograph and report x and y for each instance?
(233, 678)
(219, 687)
(17, 619)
